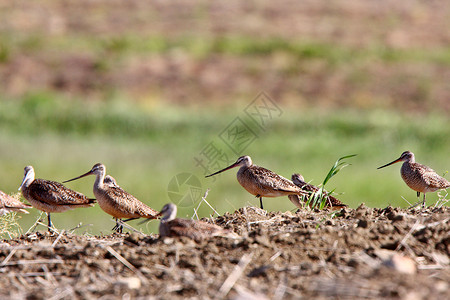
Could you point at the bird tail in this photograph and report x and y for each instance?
(148, 218)
(303, 193)
(150, 213)
(331, 201)
(335, 203)
(90, 203)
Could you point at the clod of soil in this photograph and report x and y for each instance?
(356, 253)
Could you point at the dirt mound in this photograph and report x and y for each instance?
(357, 253)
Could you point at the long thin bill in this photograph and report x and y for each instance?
(227, 168)
(81, 176)
(391, 163)
(23, 181)
(25, 178)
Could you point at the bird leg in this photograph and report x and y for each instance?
(119, 227)
(260, 200)
(129, 219)
(423, 203)
(50, 225)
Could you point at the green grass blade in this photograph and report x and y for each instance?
(318, 198)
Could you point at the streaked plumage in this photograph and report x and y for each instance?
(10, 204)
(110, 181)
(171, 226)
(51, 196)
(418, 177)
(262, 182)
(299, 181)
(113, 200)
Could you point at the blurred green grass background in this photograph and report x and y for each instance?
(144, 87)
(144, 148)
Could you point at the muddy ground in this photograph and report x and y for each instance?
(361, 253)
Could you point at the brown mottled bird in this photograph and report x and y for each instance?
(51, 196)
(171, 226)
(10, 204)
(262, 182)
(109, 180)
(418, 177)
(298, 180)
(114, 200)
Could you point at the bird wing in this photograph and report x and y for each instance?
(423, 168)
(193, 229)
(331, 200)
(271, 180)
(129, 203)
(310, 188)
(54, 193)
(435, 181)
(431, 178)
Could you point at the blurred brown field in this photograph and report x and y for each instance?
(363, 54)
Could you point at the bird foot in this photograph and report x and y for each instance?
(118, 228)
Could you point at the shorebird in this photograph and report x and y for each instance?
(197, 230)
(10, 204)
(299, 181)
(262, 182)
(418, 177)
(114, 200)
(110, 181)
(51, 196)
